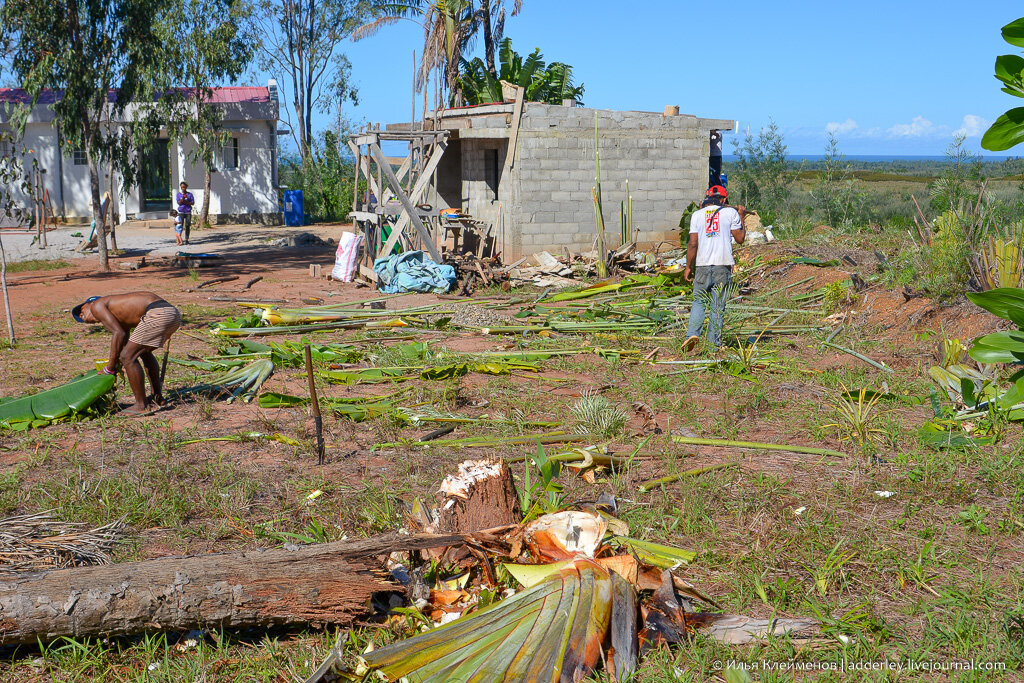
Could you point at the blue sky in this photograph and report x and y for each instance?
(889, 78)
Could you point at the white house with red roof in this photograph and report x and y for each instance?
(244, 185)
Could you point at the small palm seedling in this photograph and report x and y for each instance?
(595, 414)
(857, 416)
(829, 572)
(744, 358)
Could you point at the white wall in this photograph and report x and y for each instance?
(248, 189)
(40, 144)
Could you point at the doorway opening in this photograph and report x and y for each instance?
(155, 182)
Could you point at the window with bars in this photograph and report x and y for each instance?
(78, 157)
(231, 155)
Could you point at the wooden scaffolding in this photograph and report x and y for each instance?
(391, 201)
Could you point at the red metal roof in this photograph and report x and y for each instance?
(220, 95)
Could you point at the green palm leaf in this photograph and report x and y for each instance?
(999, 347)
(1005, 302)
(553, 631)
(52, 404)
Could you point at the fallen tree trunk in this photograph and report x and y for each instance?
(313, 585)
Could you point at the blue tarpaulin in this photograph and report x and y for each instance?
(413, 272)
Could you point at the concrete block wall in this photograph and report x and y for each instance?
(548, 200)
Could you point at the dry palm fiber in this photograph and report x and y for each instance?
(39, 541)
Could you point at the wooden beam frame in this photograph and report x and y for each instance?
(417, 191)
(410, 208)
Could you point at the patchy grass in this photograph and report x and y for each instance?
(930, 573)
(32, 265)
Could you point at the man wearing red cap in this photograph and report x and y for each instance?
(709, 263)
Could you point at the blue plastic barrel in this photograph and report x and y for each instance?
(294, 210)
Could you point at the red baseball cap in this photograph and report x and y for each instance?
(716, 191)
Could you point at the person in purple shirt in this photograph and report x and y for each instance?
(185, 201)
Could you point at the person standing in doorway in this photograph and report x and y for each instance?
(709, 263)
(185, 201)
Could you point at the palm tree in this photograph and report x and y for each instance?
(448, 27)
(491, 13)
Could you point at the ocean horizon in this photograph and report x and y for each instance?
(881, 158)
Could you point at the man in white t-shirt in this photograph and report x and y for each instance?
(709, 262)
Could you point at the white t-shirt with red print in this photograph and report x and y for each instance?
(713, 226)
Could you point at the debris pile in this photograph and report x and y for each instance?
(552, 598)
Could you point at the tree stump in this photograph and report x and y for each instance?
(481, 496)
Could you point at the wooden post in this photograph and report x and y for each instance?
(42, 205)
(7, 300)
(36, 213)
(314, 403)
(356, 206)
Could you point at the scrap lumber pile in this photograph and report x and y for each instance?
(474, 272)
(549, 272)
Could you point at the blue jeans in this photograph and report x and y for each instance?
(709, 283)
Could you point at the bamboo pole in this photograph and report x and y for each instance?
(859, 356)
(726, 443)
(655, 483)
(602, 257)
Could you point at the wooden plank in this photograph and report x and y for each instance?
(410, 212)
(513, 138)
(359, 165)
(485, 134)
(369, 273)
(365, 161)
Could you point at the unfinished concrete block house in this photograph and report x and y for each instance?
(527, 171)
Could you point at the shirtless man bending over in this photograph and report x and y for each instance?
(154, 321)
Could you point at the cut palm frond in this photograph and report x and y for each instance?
(243, 382)
(553, 631)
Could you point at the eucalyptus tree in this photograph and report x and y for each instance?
(97, 56)
(300, 42)
(207, 42)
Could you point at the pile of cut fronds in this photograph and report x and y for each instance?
(39, 541)
(241, 382)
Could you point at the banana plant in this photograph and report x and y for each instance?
(67, 400)
(1000, 347)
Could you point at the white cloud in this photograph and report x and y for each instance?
(920, 127)
(847, 126)
(973, 126)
